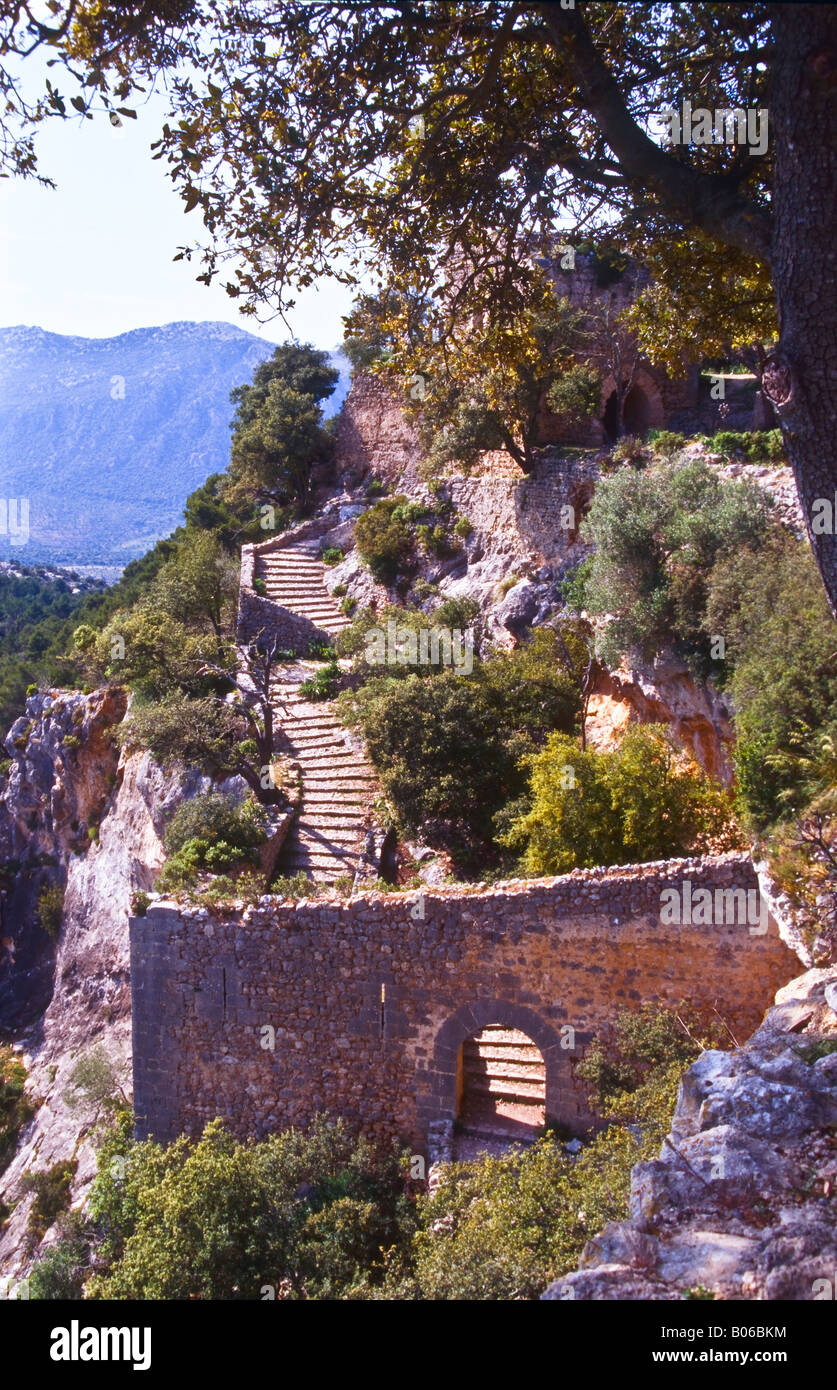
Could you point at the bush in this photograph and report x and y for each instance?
(52, 1195)
(382, 539)
(323, 685)
(217, 816)
(332, 555)
(666, 442)
(95, 1081)
(448, 749)
(309, 1215)
(260, 587)
(463, 528)
(211, 832)
(51, 908)
(658, 536)
(634, 804)
(140, 903)
(780, 637)
(16, 1110)
(62, 1271)
(503, 1228)
(629, 449)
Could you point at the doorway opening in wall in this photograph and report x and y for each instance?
(610, 419)
(636, 412)
(501, 1084)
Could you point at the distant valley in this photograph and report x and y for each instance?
(104, 438)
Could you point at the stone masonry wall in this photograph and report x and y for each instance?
(370, 999)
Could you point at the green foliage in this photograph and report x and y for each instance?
(448, 750)
(757, 446)
(658, 536)
(666, 442)
(16, 1110)
(322, 685)
(216, 816)
(96, 1082)
(210, 833)
(503, 1228)
(629, 449)
(140, 903)
(576, 395)
(50, 908)
(61, 1272)
(780, 640)
(383, 539)
(307, 1215)
(630, 805)
(278, 433)
(463, 528)
(332, 555)
(260, 587)
(51, 1188)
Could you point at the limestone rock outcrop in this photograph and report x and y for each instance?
(741, 1203)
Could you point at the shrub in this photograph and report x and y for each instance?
(658, 536)
(72, 742)
(323, 685)
(61, 1272)
(260, 587)
(52, 1195)
(51, 908)
(211, 832)
(31, 690)
(347, 606)
(463, 528)
(140, 903)
(780, 638)
(95, 1081)
(503, 1228)
(627, 806)
(765, 446)
(382, 539)
(340, 590)
(375, 487)
(332, 555)
(666, 442)
(214, 1218)
(16, 1110)
(448, 749)
(319, 650)
(629, 449)
(216, 816)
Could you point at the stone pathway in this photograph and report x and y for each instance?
(328, 836)
(293, 578)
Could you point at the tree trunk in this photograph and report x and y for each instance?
(800, 378)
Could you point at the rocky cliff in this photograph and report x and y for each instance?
(742, 1202)
(83, 975)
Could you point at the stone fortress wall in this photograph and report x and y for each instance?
(360, 1007)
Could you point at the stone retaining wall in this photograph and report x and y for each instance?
(268, 1014)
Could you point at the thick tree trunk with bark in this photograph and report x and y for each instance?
(800, 379)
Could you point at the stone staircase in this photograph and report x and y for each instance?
(328, 836)
(293, 577)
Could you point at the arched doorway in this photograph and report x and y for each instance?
(636, 411)
(610, 419)
(501, 1082)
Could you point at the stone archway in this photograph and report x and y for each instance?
(636, 412)
(501, 1083)
(481, 1024)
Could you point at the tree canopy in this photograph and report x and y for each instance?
(443, 147)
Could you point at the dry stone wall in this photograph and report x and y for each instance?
(268, 1014)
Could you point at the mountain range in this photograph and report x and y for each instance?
(104, 438)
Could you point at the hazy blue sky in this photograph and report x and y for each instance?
(94, 256)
